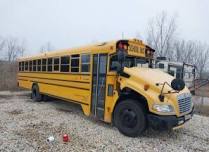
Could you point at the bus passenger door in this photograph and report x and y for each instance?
(99, 85)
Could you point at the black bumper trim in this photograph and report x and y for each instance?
(160, 122)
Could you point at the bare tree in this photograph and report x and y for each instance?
(2, 43)
(13, 49)
(201, 57)
(192, 52)
(46, 47)
(161, 33)
(184, 51)
(22, 48)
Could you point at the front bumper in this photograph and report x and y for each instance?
(167, 122)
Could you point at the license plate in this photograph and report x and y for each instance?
(186, 117)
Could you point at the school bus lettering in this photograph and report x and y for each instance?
(133, 48)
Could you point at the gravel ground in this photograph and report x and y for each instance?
(25, 126)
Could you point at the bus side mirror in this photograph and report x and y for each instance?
(121, 54)
(177, 84)
(118, 67)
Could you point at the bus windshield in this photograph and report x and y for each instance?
(130, 61)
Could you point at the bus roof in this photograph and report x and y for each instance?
(109, 46)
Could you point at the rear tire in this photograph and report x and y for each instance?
(130, 118)
(36, 96)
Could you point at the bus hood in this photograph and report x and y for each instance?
(152, 77)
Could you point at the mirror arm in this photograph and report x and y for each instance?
(169, 92)
(161, 92)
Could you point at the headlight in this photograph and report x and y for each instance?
(163, 108)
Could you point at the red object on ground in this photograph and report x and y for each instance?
(65, 138)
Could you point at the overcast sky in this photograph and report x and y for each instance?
(70, 23)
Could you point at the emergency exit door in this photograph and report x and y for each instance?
(99, 85)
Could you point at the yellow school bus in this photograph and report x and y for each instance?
(107, 82)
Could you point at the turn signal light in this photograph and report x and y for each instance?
(146, 87)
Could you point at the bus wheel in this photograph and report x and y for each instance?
(36, 96)
(130, 118)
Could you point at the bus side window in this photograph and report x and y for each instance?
(85, 63)
(161, 65)
(49, 67)
(20, 64)
(39, 65)
(75, 63)
(23, 66)
(26, 66)
(43, 64)
(171, 72)
(65, 64)
(34, 65)
(30, 65)
(56, 64)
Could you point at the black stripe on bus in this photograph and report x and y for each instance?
(61, 85)
(70, 100)
(22, 79)
(111, 75)
(54, 79)
(65, 73)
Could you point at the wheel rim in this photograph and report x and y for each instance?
(128, 118)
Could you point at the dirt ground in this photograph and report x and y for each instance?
(25, 126)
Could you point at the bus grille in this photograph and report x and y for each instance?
(184, 102)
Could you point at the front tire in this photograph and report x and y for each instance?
(36, 96)
(130, 118)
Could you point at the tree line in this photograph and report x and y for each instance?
(11, 48)
(162, 36)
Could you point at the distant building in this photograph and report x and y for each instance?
(179, 70)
